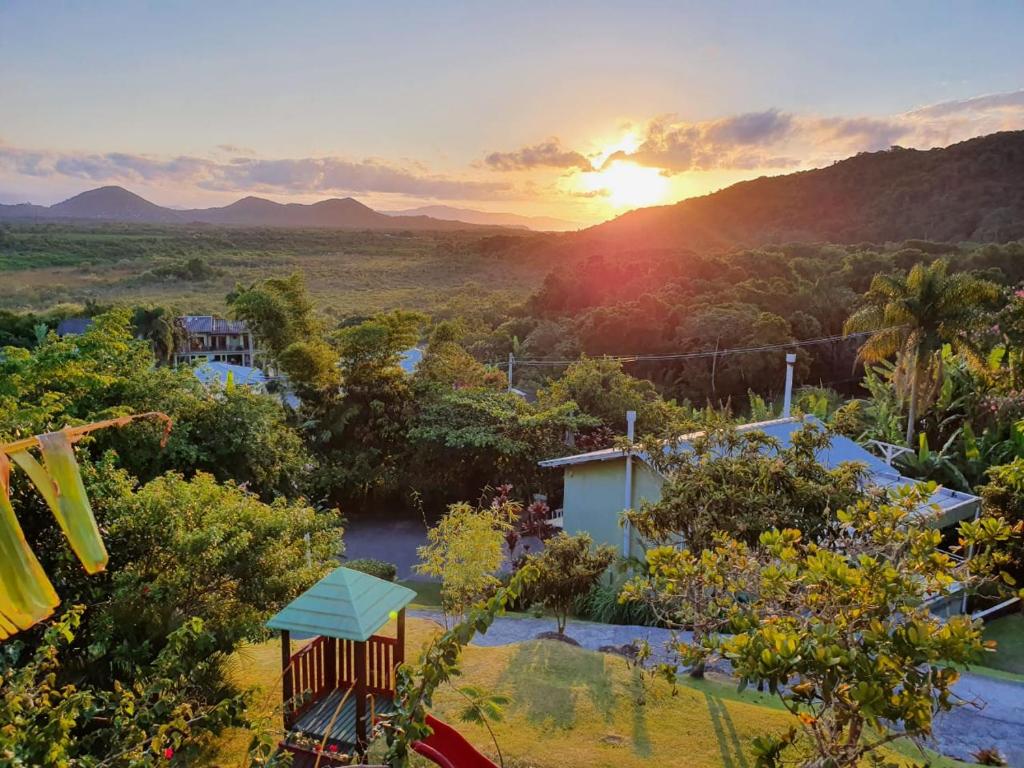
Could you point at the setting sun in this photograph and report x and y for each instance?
(627, 185)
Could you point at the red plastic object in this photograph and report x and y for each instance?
(449, 748)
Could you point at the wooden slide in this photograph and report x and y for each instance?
(449, 748)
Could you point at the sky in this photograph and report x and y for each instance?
(579, 110)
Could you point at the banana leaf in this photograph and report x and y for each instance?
(60, 484)
(26, 595)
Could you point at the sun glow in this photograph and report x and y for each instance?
(626, 185)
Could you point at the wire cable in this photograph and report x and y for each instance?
(697, 355)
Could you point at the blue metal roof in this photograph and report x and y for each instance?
(244, 376)
(345, 604)
(73, 326)
(410, 359)
(840, 449)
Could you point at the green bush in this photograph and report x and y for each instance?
(378, 568)
(601, 604)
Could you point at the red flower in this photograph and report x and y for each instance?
(168, 753)
(333, 747)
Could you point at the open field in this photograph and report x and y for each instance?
(348, 273)
(570, 707)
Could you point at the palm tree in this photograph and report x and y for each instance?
(912, 316)
(161, 329)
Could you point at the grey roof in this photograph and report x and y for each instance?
(213, 325)
(840, 449)
(73, 326)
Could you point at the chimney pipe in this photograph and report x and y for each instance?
(787, 401)
(630, 435)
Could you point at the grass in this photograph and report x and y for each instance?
(428, 593)
(570, 707)
(348, 273)
(1008, 632)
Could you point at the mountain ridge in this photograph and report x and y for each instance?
(500, 219)
(969, 191)
(117, 204)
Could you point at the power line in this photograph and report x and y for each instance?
(712, 353)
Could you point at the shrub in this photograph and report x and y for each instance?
(602, 604)
(378, 568)
(567, 568)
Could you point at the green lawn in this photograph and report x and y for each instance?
(428, 593)
(1008, 632)
(570, 707)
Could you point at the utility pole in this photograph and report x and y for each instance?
(787, 402)
(511, 362)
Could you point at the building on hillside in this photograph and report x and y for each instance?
(215, 339)
(598, 486)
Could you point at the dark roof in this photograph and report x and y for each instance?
(211, 324)
(73, 326)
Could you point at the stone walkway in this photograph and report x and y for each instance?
(996, 719)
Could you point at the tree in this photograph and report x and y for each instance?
(201, 548)
(744, 482)
(1003, 495)
(840, 630)
(600, 388)
(159, 327)
(235, 434)
(912, 316)
(465, 551)
(464, 440)
(280, 315)
(567, 568)
(360, 432)
(447, 365)
(163, 714)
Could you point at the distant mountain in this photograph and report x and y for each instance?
(118, 204)
(113, 203)
(471, 216)
(968, 191)
(255, 211)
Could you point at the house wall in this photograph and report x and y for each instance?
(594, 496)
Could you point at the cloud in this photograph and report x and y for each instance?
(547, 154)
(991, 101)
(248, 174)
(738, 141)
(863, 134)
(772, 139)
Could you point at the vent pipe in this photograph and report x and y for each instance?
(628, 500)
(787, 401)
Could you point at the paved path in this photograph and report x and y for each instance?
(997, 720)
(392, 538)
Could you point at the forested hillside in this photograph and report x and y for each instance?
(969, 191)
(665, 304)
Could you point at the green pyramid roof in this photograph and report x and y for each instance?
(346, 604)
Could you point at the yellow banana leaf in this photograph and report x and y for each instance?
(65, 494)
(26, 595)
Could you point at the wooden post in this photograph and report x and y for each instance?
(330, 663)
(400, 646)
(360, 694)
(286, 677)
